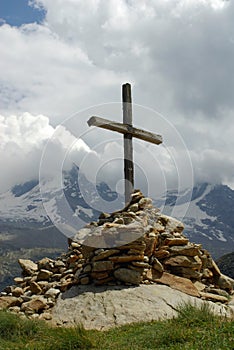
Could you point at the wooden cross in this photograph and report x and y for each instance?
(129, 132)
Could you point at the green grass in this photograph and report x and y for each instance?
(193, 329)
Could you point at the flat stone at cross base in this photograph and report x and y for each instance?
(107, 307)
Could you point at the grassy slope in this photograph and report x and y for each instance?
(192, 329)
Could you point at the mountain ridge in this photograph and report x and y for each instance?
(25, 225)
(209, 218)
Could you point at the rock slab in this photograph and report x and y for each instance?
(106, 307)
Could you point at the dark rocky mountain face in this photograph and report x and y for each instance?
(87, 208)
(19, 190)
(22, 205)
(226, 264)
(209, 218)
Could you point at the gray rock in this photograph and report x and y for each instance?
(119, 221)
(75, 245)
(28, 266)
(214, 297)
(87, 268)
(225, 282)
(145, 203)
(105, 307)
(60, 263)
(8, 301)
(134, 207)
(18, 280)
(15, 309)
(34, 305)
(35, 288)
(105, 254)
(44, 275)
(188, 250)
(102, 265)
(52, 293)
(157, 265)
(128, 276)
(17, 292)
(45, 263)
(184, 261)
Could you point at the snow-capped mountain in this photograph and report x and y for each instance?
(23, 217)
(27, 232)
(208, 214)
(22, 204)
(207, 211)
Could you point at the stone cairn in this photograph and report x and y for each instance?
(156, 252)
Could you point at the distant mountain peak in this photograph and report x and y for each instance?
(21, 189)
(208, 215)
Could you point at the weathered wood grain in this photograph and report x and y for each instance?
(125, 129)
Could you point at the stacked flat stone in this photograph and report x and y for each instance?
(149, 248)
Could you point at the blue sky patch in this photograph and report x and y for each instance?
(18, 12)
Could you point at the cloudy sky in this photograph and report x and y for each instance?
(65, 60)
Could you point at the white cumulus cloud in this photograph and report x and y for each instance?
(23, 141)
(178, 55)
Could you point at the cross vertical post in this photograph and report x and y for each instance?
(128, 151)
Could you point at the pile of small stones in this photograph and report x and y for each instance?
(141, 245)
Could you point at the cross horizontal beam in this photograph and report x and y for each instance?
(125, 129)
